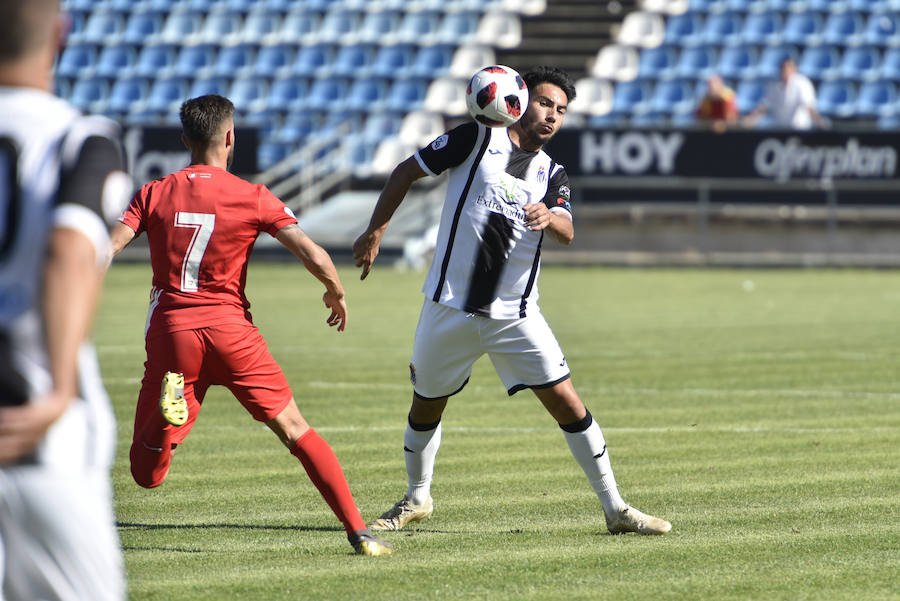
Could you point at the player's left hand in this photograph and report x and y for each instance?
(537, 216)
(338, 306)
(23, 427)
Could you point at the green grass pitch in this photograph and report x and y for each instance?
(758, 411)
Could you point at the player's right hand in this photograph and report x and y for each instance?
(365, 249)
(338, 306)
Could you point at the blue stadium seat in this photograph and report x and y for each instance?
(889, 122)
(143, 26)
(297, 126)
(833, 6)
(272, 60)
(631, 97)
(762, 28)
(432, 61)
(196, 60)
(115, 60)
(378, 26)
(312, 59)
(737, 62)
(271, 152)
(877, 99)
(722, 28)
(820, 62)
(261, 26)
(890, 64)
(381, 125)
(685, 29)
(771, 57)
(127, 94)
(417, 27)
(249, 93)
(76, 59)
(181, 25)
(234, 60)
(155, 59)
(365, 94)
(352, 59)
(102, 26)
(210, 84)
(707, 6)
(861, 62)
(325, 93)
(406, 95)
(285, 93)
(392, 59)
(241, 6)
(803, 28)
(221, 26)
(883, 29)
(298, 26)
(749, 94)
(843, 29)
(338, 26)
(658, 62)
(837, 98)
(458, 28)
(696, 61)
(90, 94)
(167, 94)
(674, 96)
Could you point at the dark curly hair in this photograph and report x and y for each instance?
(557, 77)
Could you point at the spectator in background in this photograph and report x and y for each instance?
(791, 101)
(718, 107)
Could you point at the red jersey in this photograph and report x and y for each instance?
(201, 223)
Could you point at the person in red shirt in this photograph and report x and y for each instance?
(201, 223)
(718, 108)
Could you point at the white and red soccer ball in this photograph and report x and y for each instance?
(497, 96)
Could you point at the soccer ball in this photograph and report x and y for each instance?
(497, 96)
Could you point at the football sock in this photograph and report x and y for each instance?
(420, 446)
(325, 471)
(588, 446)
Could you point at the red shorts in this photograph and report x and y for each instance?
(231, 355)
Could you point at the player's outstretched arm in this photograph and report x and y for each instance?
(318, 263)
(71, 285)
(365, 249)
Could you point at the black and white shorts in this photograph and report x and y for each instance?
(524, 351)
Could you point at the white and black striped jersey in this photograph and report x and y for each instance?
(486, 261)
(57, 169)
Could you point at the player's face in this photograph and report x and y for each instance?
(546, 112)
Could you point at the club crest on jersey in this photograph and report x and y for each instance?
(440, 142)
(541, 174)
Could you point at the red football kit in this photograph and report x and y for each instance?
(201, 224)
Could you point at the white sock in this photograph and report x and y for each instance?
(589, 449)
(420, 448)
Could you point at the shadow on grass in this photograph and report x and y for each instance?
(226, 526)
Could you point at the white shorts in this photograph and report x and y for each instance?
(58, 538)
(524, 351)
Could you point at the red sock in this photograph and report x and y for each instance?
(325, 471)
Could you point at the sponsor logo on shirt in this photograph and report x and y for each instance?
(440, 142)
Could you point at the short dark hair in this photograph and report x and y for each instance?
(25, 25)
(557, 77)
(202, 117)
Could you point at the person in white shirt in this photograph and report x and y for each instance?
(504, 195)
(790, 101)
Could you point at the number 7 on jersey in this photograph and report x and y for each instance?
(203, 224)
